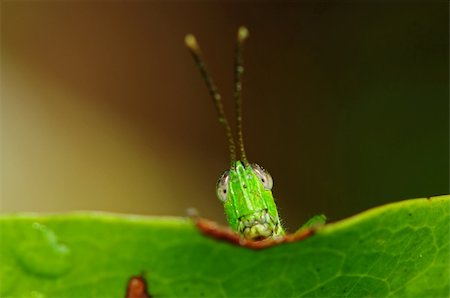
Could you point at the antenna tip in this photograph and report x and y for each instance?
(242, 33)
(191, 42)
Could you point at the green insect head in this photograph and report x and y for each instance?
(245, 189)
(246, 194)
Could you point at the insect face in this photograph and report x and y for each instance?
(250, 206)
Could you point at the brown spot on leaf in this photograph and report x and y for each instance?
(137, 288)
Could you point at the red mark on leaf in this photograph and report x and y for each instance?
(137, 288)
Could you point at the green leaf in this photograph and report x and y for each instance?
(397, 250)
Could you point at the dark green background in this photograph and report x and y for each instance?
(345, 103)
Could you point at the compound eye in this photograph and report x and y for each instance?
(263, 176)
(222, 187)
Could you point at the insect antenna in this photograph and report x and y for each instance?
(242, 35)
(194, 48)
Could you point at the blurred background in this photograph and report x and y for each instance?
(102, 108)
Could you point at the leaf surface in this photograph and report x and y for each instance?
(396, 250)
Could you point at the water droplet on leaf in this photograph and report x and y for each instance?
(41, 253)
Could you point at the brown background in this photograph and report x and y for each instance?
(346, 104)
